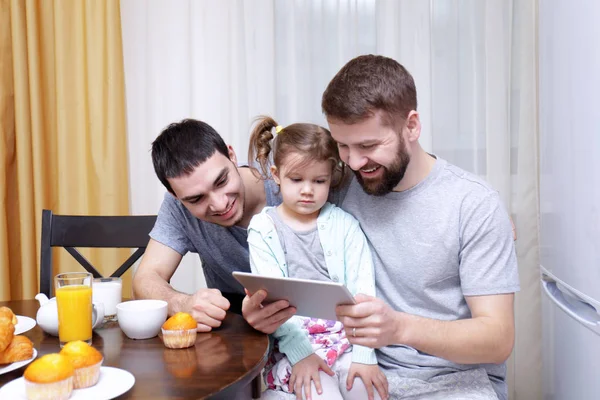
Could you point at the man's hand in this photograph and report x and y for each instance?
(305, 371)
(372, 376)
(208, 307)
(265, 318)
(370, 322)
(485, 338)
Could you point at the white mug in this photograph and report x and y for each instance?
(108, 292)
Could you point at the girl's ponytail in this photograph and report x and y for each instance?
(260, 143)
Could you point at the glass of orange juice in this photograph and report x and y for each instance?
(74, 301)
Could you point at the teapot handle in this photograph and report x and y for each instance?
(98, 310)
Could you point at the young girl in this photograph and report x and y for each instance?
(306, 237)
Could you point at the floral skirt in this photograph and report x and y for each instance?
(328, 340)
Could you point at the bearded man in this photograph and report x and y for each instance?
(442, 245)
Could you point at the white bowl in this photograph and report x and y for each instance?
(141, 319)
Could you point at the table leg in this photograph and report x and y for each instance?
(256, 387)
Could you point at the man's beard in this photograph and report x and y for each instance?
(392, 175)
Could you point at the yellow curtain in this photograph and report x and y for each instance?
(62, 117)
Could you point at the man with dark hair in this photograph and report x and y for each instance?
(442, 244)
(182, 146)
(209, 204)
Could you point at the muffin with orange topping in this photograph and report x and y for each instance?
(86, 360)
(179, 331)
(49, 377)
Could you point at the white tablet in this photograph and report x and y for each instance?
(316, 299)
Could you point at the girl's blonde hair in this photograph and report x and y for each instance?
(312, 142)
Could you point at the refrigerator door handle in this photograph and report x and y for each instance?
(573, 305)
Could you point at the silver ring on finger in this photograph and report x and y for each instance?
(354, 332)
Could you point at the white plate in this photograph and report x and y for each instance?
(24, 324)
(18, 364)
(113, 382)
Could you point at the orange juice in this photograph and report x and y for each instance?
(74, 313)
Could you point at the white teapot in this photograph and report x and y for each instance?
(47, 314)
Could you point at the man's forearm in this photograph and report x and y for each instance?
(467, 341)
(152, 286)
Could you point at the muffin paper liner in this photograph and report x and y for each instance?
(179, 339)
(87, 376)
(60, 390)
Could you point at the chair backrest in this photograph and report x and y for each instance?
(71, 231)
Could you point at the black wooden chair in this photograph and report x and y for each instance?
(71, 231)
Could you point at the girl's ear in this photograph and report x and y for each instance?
(275, 174)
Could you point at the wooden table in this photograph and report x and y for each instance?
(222, 365)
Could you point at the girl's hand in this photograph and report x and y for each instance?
(305, 371)
(372, 376)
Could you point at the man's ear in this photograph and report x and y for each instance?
(413, 126)
(232, 155)
(275, 174)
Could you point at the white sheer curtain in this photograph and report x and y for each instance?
(227, 61)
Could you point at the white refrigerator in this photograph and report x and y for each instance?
(569, 116)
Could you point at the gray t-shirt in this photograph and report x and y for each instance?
(222, 250)
(303, 251)
(446, 238)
